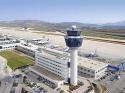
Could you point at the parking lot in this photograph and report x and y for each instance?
(114, 85)
(35, 79)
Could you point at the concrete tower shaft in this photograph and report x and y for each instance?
(74, 69)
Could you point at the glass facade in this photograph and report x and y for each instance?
(73, 33)
(74, 42)
(73, 38)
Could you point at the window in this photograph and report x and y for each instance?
(88, 70)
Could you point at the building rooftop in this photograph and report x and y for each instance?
(82, 61)
(55, 53)
(91, 64)
(7, 40)
(39, 41)
(47, 73)
(28, 46)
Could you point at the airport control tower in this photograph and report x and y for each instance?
(73, 40)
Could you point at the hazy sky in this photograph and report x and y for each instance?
(86, 11)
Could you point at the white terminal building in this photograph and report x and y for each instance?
(91, 69)
(8, 43)
(27, 48)
(54, 66)
(40, 41)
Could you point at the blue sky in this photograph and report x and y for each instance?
(86, 11)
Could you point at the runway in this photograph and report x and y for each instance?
(104, 49)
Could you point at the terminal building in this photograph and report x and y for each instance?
(40, 41)
(54, 64)
(7, 43)
(91, 69)
(27, 48)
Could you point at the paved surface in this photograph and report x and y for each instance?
(18, 88)
(34, 79)
(6, 84)
(85, 86)
(104, 49)
(20, 82)
(115, 86)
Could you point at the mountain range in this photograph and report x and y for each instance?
(108, 30)
(42, 25)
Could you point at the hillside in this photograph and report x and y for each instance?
(36, 24)
(109, 30)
